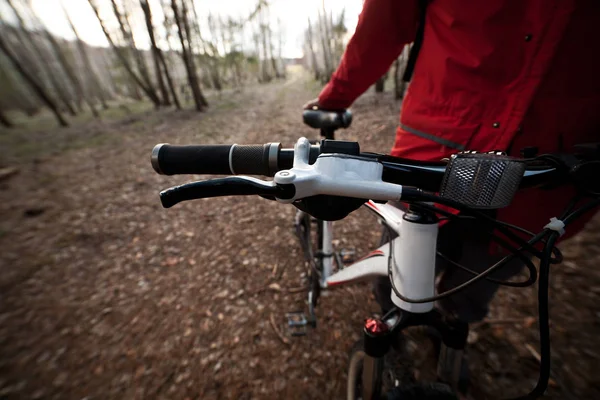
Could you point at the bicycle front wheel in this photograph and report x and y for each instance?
(397, 381)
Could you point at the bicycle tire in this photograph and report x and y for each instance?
(397, 370)
(420, 391)
(304, 231)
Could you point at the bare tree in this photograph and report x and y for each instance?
(85, 57)
(313, 55)
(183, 30)
(380, 84)
(122, 17)
(4, 120)
(32, 42)
(211, 51)
(123, 59)
(235, 57)
(263, 29)
(14, 93)
(156, 53)
(280, 47)
(271, 52)
(70, 72)
(399, 64)
(35, 86)
(325, 43)
(163, 58)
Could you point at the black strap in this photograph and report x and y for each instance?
(414, 50)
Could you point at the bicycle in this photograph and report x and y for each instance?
(333, 179)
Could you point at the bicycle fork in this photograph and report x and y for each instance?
(379, 334)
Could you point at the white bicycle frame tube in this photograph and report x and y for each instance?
(413, 261)
(376, 262)
(414, 250)
(327, 248)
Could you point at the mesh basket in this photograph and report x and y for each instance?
(485, 181)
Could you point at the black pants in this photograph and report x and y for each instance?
(465, 242)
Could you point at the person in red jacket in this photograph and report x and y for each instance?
(490, 75)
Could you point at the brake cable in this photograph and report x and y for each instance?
(551, 236)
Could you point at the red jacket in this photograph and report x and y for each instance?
(491, 75)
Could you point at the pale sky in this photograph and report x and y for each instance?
(292, 13)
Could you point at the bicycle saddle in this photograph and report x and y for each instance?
(324, 119)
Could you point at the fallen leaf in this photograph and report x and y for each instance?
(529, 321)
(171, 261)
(140, 371)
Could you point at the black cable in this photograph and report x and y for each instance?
(460, 287)
(526, 260)
(544, 316)
(543, 322)
(528, 282)
(413, 194)
(580, 211)
(450, 215)
(557, 259)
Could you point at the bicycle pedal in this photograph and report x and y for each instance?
(297, 323)
(347, 255)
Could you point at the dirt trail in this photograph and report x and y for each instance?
(104, 294)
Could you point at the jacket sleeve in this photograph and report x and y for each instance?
(384, 28)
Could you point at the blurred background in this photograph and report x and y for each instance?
(104, 294)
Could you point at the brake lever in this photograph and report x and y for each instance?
(230, 186)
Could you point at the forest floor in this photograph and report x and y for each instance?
(104, 294)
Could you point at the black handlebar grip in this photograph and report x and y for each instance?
(201, 159)
(216, 159)
(250, 159)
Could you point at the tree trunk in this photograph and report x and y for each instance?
(312, 51)
(118, 51)
(399, 84)
(4, 120)
(187, 57)
(85, 57)
(164, 59)
(70, 73)
(271, 55)
(325, 46)
(186, 24)
(266, 76)
(19, 94)
(280, 48)
(40, 54)
(213, 65)
(170, 81)
(37, 88)
(156, 53)
(126, 31)
(380, 84)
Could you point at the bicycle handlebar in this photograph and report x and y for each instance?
(349, 180)
(223, 159)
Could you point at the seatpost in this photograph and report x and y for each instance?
(328, 133)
